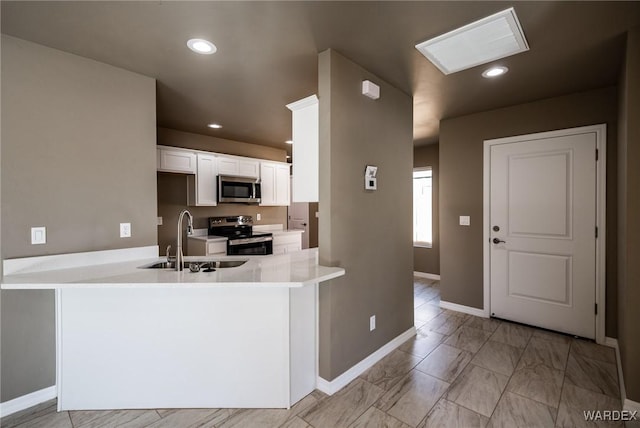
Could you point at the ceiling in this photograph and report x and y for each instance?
(268, 54)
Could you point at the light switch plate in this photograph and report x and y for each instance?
(372, 323)
(38, 235)
(465, 220)
(159, 221)
(125, 230)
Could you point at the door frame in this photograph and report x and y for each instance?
(601, 194)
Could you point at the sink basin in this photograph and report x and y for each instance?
(160, 265)
(229, 263)
(205, 265)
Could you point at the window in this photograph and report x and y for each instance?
(422, 208)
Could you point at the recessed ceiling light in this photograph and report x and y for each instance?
(494, 71)
(289, 142)
(202, 46)
(214, 126)
(488, 39)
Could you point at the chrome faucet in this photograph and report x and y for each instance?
(179, 255)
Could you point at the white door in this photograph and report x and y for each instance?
(299, 219)
(543, 232)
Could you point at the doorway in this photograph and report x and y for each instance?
(544, 225)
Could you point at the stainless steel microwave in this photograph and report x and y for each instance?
(238, 189)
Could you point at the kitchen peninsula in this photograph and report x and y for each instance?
(132, 337)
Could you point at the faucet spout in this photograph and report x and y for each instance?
(179, 254)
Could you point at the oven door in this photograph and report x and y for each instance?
(250, 246)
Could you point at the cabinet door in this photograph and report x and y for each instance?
(268, 183)
(249, 168)
(227, 165)
(305, 133)
(201, 188)
(282, 185)
(176, 160)
(206, 181)
(216, 248)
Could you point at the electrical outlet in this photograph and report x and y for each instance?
(38, 235)
(125, 230)
(372, 323)
(258, 217)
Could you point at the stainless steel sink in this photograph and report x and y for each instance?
(160, 265)
(198, 265)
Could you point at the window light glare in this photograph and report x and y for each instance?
(494, 71)
(202, 46)
(214, 126)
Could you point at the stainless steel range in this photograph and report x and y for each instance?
(241, 239)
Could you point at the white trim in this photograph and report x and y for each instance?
(29, 400)
(74, 260)
(426, 275)
(601, 166)
(58, 320)
(613, 343)
(632, 406)
(303, 103)
(464, 309)
(331, 387)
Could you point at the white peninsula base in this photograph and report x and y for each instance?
(128, 337)
(219, 347)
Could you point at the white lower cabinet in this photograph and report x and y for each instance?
(198, 246)
(275, 184)
(202, 187)
(289, 242)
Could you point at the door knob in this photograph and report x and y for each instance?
(497, 241)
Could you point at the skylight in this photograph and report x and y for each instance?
(488, 39)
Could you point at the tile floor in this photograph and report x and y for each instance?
(459, 371)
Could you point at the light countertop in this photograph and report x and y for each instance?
(211, 238)
(285, 270)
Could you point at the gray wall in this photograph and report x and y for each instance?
(368, 233)
(461, 159)
(427, 260)
(172, 188)
(78, 156)
(628, 215)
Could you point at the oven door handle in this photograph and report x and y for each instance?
(249, 240)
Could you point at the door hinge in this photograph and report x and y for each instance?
(597, 155)
(596, 309)
(596, 231)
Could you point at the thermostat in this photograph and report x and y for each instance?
(370, 181)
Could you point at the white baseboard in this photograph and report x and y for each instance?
(613, 343)
(24, 402)
(426, 275)
(632, 406)
(464, 309)
(331, 387)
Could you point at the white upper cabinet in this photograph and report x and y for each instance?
(232, 165)
(274, 181)
(202, 188)
(305, 134)
(173, 159)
